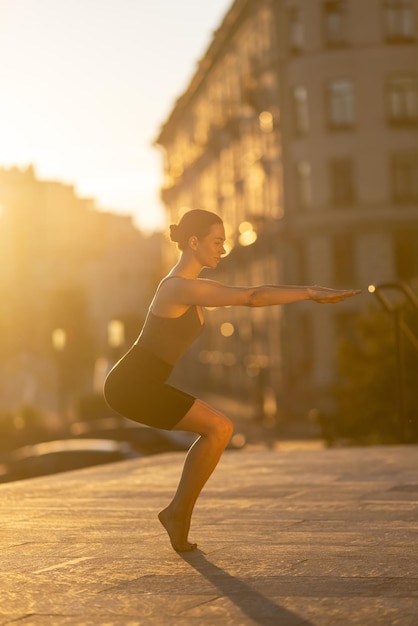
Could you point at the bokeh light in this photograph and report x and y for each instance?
(227, 329)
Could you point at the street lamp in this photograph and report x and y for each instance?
(59, 343)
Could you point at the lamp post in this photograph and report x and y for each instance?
(59, 343)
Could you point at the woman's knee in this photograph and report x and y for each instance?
(222, 428)
(206, 421)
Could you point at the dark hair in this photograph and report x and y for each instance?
(195, 222)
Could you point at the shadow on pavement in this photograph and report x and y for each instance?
(251, 602)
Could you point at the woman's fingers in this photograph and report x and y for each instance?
(324, 295)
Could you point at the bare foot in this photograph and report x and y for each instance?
(177, 530)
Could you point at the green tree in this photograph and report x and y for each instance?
(367, 393)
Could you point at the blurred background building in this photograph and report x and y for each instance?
(300, 128)
(75, 285)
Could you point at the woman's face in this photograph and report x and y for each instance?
(211, 248)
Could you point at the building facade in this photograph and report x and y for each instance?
(300, 128)
(75, 285)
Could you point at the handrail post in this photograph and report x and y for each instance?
(400, 377)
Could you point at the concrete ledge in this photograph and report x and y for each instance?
(286, 538)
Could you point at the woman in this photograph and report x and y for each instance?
(136, 386)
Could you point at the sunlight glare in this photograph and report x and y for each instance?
(244, 226)
(115, 333)
(247, 238)
(59, 339)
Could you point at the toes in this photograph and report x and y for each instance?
(187, 547)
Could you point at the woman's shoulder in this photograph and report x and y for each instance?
(168, 300)
(171, 282)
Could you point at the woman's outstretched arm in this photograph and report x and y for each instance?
(205, 292)
(266, 295)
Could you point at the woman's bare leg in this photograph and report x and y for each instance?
(215, 431)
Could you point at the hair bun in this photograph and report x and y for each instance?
(174, 232)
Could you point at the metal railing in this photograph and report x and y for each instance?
(402, 332)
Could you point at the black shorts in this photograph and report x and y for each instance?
(136, 388)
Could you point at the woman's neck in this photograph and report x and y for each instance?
(186, 267)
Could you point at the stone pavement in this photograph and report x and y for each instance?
(297, 538)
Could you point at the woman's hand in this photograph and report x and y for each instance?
(325, 295)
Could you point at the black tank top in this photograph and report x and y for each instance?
(169, 337)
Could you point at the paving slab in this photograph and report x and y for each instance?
(296, 538)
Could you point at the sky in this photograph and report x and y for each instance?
(85, 86)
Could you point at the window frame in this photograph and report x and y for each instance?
(399, 9)
(330, 10)
(402, 97)
(337, 108)
(338, 167)
(300, 111)
(409, 173)
(296, 27)
(343, 258)
(405, 254)
(304, 184)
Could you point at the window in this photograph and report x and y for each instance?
(342, 182)
(399, 17)
(341, 103)
(301, 113)
(404, 175)
(334, 22)
(296, 30)
(344, 270)
(403, 99)
(304, 184)
(406, 255)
